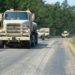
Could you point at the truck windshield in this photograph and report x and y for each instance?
(16, 16)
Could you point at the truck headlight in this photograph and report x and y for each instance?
(26, 32)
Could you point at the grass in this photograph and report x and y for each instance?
(72, 44)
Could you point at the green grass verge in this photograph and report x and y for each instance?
(72, 44)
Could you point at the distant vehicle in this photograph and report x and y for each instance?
(65, 34)
(18, 27)
(40, 33)
(44, 32)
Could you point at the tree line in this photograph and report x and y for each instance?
(58, 17)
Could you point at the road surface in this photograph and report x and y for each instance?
(51, 57)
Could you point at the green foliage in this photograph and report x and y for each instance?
(57, 17)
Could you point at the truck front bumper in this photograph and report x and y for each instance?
(7, 38)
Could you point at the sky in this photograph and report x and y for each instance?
(70, 2)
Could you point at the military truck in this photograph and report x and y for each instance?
(18, 28)
(44, 32)
(65, 34)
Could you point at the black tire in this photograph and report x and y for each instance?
(33, 40)
(28, 44)
(5, 46)
(43, 38)
(33, 44)
(48, 37)
(1, 44)
(36, 40)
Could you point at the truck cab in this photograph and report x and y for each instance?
(17, 27)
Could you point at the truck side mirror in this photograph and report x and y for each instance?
(1, 16)
(33, 17)
(1, 19)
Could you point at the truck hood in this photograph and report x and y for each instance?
(40, 34)
(15, 21)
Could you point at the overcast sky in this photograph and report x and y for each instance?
(70, 2)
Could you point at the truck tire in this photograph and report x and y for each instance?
(36, 42)
(43, 37)
(36, 39)
(1, 44)
(48, 37)
(4, 46)
(28, 44)
(33, 41)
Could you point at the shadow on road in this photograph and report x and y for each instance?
(40, 46)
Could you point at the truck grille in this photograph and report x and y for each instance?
(13, 29)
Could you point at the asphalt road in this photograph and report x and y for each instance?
(50, 57)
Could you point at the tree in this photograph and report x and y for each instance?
(57, 17)
(65, 4)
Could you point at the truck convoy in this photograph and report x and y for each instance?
(18, 28)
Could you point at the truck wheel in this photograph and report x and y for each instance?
(36, 42)
(48, 37)
(1, 44)
(28, 44)
(4, 46)
(33, 41)
(43, 38)
(36, 39)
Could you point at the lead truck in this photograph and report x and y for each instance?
(18, 28)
